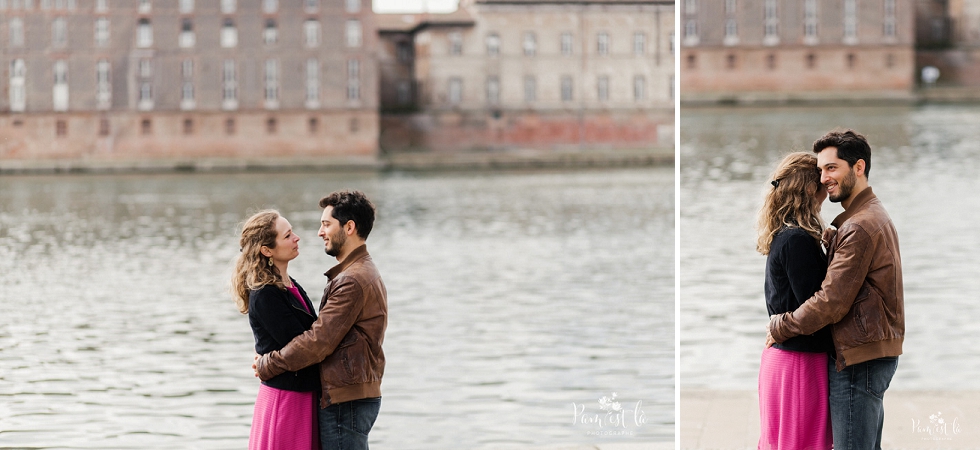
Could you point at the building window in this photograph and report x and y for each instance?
(691, 32)
(270, 6)
(271, 125)
(811, 61)
(530, 43)
(566, 88)
(771, 23)
(404, 92)
(404, 52)
(60, 89)
(103, 88)
(730, 61)
(353, 79)
(731, 32)
(311, 6)
(229, 34)
(567, 44)
(186, 6)
(228, 6)
(271, 83)
(104, 127)
(639, 88)
(353, 6)
(692, 61)
(311, 33)
(229, 126)
(312, 83)
(730, 7)
(493, 44)
(101, 31)
(530, 89)
(186, 33)
(188, 126)
(810, 21)
(889, 25)
(187, 101)
(187, 93)
(271, 34)
(144, 34)
(146, 95)
(691, 6)
(493, 90)
(146, 127)
(851, 60)
(145, 68)
(602, 88)
(353, 32)
(314, 124)
(455, 44)
(145, 6)
(639, 43)
(850, 21)
(61, 128)
(101, 6)
(602, 43)
(16, 32)
(229, 85)
(17, 86)
(59, 32)
(455, 94)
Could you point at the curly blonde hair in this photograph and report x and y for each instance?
(790, 200)
(252, 268)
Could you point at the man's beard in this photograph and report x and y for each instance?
(337, 242)
(844, 187)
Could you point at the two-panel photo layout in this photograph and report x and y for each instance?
(490, 224)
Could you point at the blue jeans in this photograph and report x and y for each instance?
(857, 412)
(345, 426)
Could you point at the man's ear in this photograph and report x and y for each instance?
(350, 228)
(859, 166)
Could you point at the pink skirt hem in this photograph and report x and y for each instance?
(284, 420)
(793, 401)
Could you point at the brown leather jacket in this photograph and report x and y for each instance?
(862, 294)
(346, 338)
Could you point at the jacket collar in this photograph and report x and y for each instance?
(863, 198)
(355, 255)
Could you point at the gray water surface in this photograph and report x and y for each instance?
(516, 299)
(926, 172)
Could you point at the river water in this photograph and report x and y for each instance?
(517, 301)
(926, 172)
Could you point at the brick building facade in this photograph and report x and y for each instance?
(779, 49)
(129, 79)
(500, 74)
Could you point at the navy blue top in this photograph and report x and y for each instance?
(276, 317)
(795, 268)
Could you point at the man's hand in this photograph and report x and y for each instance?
(255, 363)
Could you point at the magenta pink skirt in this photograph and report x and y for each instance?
(284, 420)
(793, 401)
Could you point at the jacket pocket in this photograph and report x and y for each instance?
(868, 315)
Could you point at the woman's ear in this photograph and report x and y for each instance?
(265, 251)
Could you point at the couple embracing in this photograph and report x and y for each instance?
(321, 371)
(837, 319)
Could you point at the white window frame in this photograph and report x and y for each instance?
(59, 91)
(229, 34)
(602, 43)
(103, 84)
(353, 6)
(530, 89)
(185, 6)
(17, 94)
(455, 43)
(144, 33)
(354, 33)
(567, 44)
(602, 88)
(271, 84)
(59, 32)
(228, 6)
(312, 83)
(270, 34)
(567, 89)
(454, 91)
(493, 44)
(530, 43)
(353, 80)
(270, 6)
(187, 38)
(639, 43)
(639, 88)
(493, 90)
(16, 32)
(102, 31)
(229, 85)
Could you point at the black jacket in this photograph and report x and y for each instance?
(794, 271)
(276, 317)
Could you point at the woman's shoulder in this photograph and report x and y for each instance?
(791, 237)
(264, 292)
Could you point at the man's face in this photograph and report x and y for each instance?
(836, 174)
(331, 232)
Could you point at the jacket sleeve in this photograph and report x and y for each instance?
(830, 304)
(344, 303)
(268, 308)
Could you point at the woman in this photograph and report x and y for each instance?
(278, 310)
(793, 397)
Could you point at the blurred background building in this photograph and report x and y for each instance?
(857, 50)
(113, 80)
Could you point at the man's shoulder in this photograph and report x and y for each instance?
(871, 218)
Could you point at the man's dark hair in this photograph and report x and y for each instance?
(850, 147)
(351, 205)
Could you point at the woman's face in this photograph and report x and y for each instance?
(821, 194)
(287, 243)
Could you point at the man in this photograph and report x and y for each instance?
(861, 296)
(346, 338)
